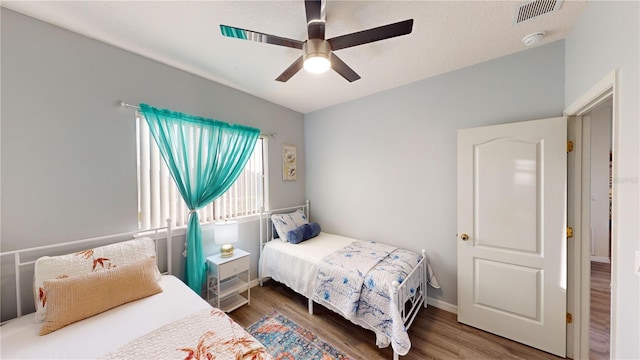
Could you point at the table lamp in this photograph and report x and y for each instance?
(226, 233)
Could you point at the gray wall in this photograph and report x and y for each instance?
(68, 155)
(384, 167)
(607, 38)
(600, 144)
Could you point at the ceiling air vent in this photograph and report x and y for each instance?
(532, 9)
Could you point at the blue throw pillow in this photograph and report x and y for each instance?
(303, 232)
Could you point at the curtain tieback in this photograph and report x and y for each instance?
(191, 212)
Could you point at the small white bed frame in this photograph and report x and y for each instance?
(28, 256)
(408, 305)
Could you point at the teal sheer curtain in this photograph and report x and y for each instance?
(204, 157)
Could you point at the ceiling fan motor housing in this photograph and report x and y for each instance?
(315, 48)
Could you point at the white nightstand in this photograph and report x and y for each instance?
(228, 280)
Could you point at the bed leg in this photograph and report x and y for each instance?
(425, 297)
(425, 292)
(310, 306)
(425, 281)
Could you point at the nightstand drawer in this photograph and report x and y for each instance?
(233, 267)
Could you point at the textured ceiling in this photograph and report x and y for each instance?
(447, 35)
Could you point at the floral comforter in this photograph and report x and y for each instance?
(357, 281)
(206, 334)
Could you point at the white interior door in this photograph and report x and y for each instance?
(512, 182)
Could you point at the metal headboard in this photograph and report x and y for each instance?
(78, 245)
(266, 228)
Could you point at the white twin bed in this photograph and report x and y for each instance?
(103, 333)
(390, 288)
(174, 322)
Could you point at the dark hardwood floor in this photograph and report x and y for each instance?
(435, 333)
(600, 310)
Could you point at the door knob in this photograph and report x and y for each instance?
(464, 237)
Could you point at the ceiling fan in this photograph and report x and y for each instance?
(317, 52)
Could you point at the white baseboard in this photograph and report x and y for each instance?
(601, 259)
(442, 305)
(430, 301)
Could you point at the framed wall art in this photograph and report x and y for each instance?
(288, 162)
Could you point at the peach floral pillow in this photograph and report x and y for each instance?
(82, 296)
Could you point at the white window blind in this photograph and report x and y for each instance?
(159, 199)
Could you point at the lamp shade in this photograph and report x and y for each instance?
(226, 232)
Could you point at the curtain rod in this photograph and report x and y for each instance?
(124, 104)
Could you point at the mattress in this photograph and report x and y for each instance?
(296, 265)
(102, 333)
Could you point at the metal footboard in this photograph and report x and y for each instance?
(409, 304)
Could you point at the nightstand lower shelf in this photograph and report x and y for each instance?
(232, 302)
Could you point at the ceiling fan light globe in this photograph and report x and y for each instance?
(317, 64)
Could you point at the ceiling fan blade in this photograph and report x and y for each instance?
(291, 70)
(316, 18)
(234, 32)
(371, 35)
(343, 69)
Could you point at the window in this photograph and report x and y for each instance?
(159, 199)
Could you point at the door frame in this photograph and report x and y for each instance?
(580, 259)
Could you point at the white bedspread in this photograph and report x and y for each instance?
(296, 265)
(103, 333)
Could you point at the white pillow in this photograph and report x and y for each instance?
(286, 222)
(84, 262)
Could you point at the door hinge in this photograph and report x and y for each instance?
(569, 146)
(569, 232)
(569, 318)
